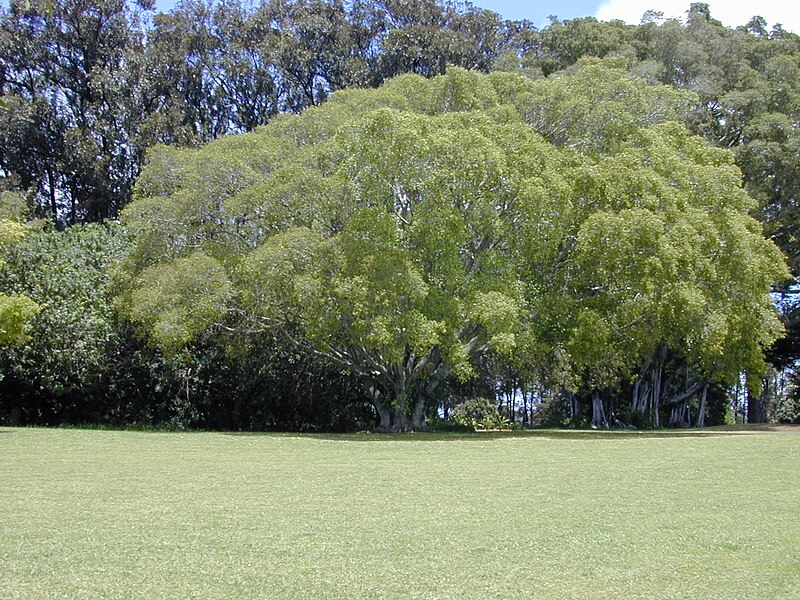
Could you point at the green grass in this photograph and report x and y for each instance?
(114, 514)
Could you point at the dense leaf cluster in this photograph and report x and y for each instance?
(80, 363)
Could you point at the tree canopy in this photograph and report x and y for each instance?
(402, 233)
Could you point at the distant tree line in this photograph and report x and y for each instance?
(88, 87)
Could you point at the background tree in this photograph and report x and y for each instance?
(70, 130)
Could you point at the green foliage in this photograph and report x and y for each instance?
(70, 131)
(80, 363)
(474, 411)
(744, 83)
(176, 301)
(16, 313)
(10, 232)
(72, 334)
(787, 409)
(596, 105)
(567, 225)
(383, 235)
(439, 425)
(496, 422)
(404, 232)
(647, 274)
(13, 205)
(74, 130)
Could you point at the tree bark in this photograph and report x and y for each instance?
(757, 403)
(678, 415)
(51, 184)
(574, 406)
(647, 390)
(399, 414)
(524, 407)
(655, 404)
(598, 414)
(701, 413)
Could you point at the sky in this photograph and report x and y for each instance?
(730, 12)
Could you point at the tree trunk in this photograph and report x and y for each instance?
(51, 184)
(418, 415)
(755, 405)
(678, 415)
(598, 414)
(384, 414)
(701, 413)
(400, 415)
(656, 399)
(647, 390)
(641, 393)
(397, 391)
(524, 408)
(574, 406)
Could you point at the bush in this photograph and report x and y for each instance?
(787, 409)
(449, 426)
(551, 412)
(495, 421)
(474, 410)
(480, 413)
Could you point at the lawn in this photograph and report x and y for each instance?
(107, 514)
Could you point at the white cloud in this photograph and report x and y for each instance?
(730, 12)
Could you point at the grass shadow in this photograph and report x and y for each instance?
(557, 434)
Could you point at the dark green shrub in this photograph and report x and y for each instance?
(480, 413)
(474, 410)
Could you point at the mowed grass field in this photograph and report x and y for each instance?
(106, 514)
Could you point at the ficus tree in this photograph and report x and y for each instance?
(640, 277)
(403, 233)
(385, 247)
(666, 264)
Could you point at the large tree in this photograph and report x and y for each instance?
(384, 246)
(404, 233)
